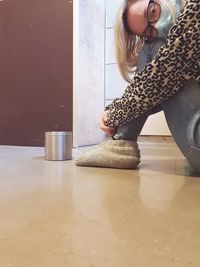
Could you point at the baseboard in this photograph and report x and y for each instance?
(155, 138)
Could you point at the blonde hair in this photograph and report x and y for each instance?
(127, 44)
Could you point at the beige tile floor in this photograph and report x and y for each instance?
(54, 214)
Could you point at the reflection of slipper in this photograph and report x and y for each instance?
(119, 154)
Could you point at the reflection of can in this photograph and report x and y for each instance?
(58, 145)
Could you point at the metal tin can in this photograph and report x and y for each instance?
(58, 145)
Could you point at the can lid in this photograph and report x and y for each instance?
(58, 133)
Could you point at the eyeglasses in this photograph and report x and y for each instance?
(153, 15)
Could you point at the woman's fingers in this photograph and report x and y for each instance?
(110, 131)
(105, 115)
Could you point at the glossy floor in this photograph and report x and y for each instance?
(54, 214)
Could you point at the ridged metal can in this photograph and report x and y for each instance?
(58, 145)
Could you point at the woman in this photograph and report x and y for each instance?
(169, 81)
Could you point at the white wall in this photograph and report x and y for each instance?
(89, 68)
(115, 85)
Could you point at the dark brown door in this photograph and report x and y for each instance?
(35, 69)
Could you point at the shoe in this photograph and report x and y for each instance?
(120, 154)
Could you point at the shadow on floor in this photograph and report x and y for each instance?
(169, 166)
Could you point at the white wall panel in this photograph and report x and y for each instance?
(89, 70)
(115, 85)
(110, 46)
(156, 125)
(108, 102)
(111, 10)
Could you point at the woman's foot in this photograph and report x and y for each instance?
(119, 154)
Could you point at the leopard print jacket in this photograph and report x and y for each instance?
(176, 62)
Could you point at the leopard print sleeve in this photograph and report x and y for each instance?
(176, 62)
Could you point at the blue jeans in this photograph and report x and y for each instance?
(182, 113)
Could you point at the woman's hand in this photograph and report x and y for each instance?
(110, 131)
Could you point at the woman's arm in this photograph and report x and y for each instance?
(176, 62)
